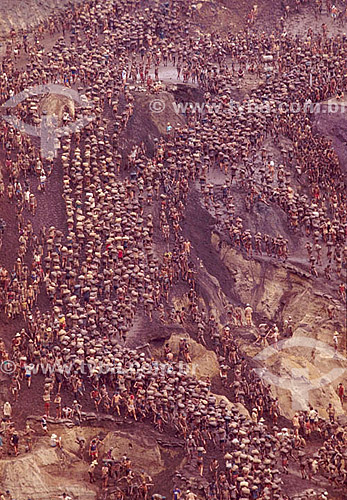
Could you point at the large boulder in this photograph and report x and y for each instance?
(204, 362)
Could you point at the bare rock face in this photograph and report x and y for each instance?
(142, 450)
(263, 288)
(204, 362)
(298, 382)
(304, 370)
(49, 472)
(43, 474)
(278, 292)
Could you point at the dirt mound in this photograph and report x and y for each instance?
(152, 113)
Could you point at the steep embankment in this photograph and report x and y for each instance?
(307, 362)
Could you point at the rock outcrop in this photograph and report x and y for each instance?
(204, 362)
(45, 473)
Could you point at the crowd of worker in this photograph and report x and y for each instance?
(106, 265)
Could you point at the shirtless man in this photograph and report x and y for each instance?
(248, 315)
